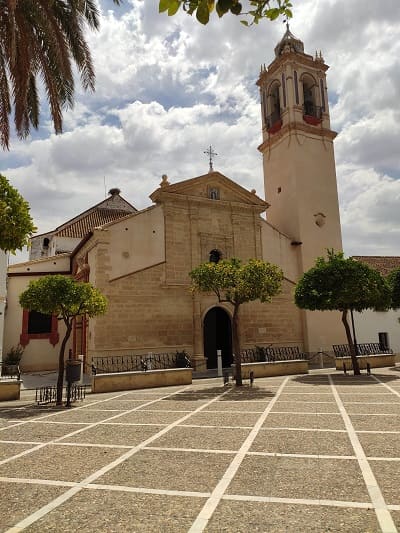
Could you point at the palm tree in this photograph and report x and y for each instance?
(42, 40)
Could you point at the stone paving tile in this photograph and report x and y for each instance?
(304, 442)
(371, 387)
(396, 518)
(292, 386)
(307, 398)
(116, 512)
(387, 474)
(149, 417)
(105, 395)
(307, 420)
(160, 392)
(375, 423)
(381, 445)
(64, 463)
(86, 416)
(366, 408)
(114, 435)
(292, 477)
(367, 398)
(170, 470)
(140, 395)
(242, 517)
(39, 431)
(118, 405)
(20, 500)
(222, 419)
(203, 438)
(248, 394)
(174, 405)
(251, 407)
(5, 423)
(24, 415)
(305, 407)
(8, 450)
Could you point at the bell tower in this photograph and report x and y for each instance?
(299, 168)
(297, 148)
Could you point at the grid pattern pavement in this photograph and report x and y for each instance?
(312, 453)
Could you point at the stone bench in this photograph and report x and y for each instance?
(10, 389)
(119, 381)
(375, 361)
(277, 368)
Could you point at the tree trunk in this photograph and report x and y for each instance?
(354, 360)
(236, 346)
(60, 380)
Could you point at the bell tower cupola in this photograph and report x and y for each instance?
(297, 148)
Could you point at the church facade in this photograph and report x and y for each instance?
(141, 260)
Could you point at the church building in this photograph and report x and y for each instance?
(140, 260)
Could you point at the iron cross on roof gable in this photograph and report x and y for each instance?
(210, 152)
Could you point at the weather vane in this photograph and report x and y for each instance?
(210, 152)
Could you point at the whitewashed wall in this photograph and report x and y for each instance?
(3, 290)
(369, 323)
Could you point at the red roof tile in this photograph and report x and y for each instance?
(94, 218)
(384, 264)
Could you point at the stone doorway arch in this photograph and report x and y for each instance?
(217, 335)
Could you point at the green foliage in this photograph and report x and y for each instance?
(259, 9)
(341, 284)
(16, 225)
(236, 283)
(394, 283)
(42, 45)
(63, 297)
(14, 355)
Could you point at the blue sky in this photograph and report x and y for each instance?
(167, 88)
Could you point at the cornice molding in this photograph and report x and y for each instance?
(295, 59)
(293, 128)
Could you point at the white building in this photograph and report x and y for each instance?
(3, 289)
(379, 326)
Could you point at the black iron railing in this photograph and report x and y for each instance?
(273, 119)
(271, 354)
(46, 395)
(134, 363)
(9, 371)
(312, 110)
(366, 348)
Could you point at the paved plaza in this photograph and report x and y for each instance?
(314, 453)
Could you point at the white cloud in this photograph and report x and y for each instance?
(167, 88)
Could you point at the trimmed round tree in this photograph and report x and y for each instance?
(339, 284)
(394, 284)
(236, 284)
(16, 225)
(64, 298)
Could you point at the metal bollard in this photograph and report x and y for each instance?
(344, 369)
(251, 378)
(368, 369)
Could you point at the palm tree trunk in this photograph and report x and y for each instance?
(354, 360)
(236, 346)
(60, 380)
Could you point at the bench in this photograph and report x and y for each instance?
(270, 354)
(366, 348)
